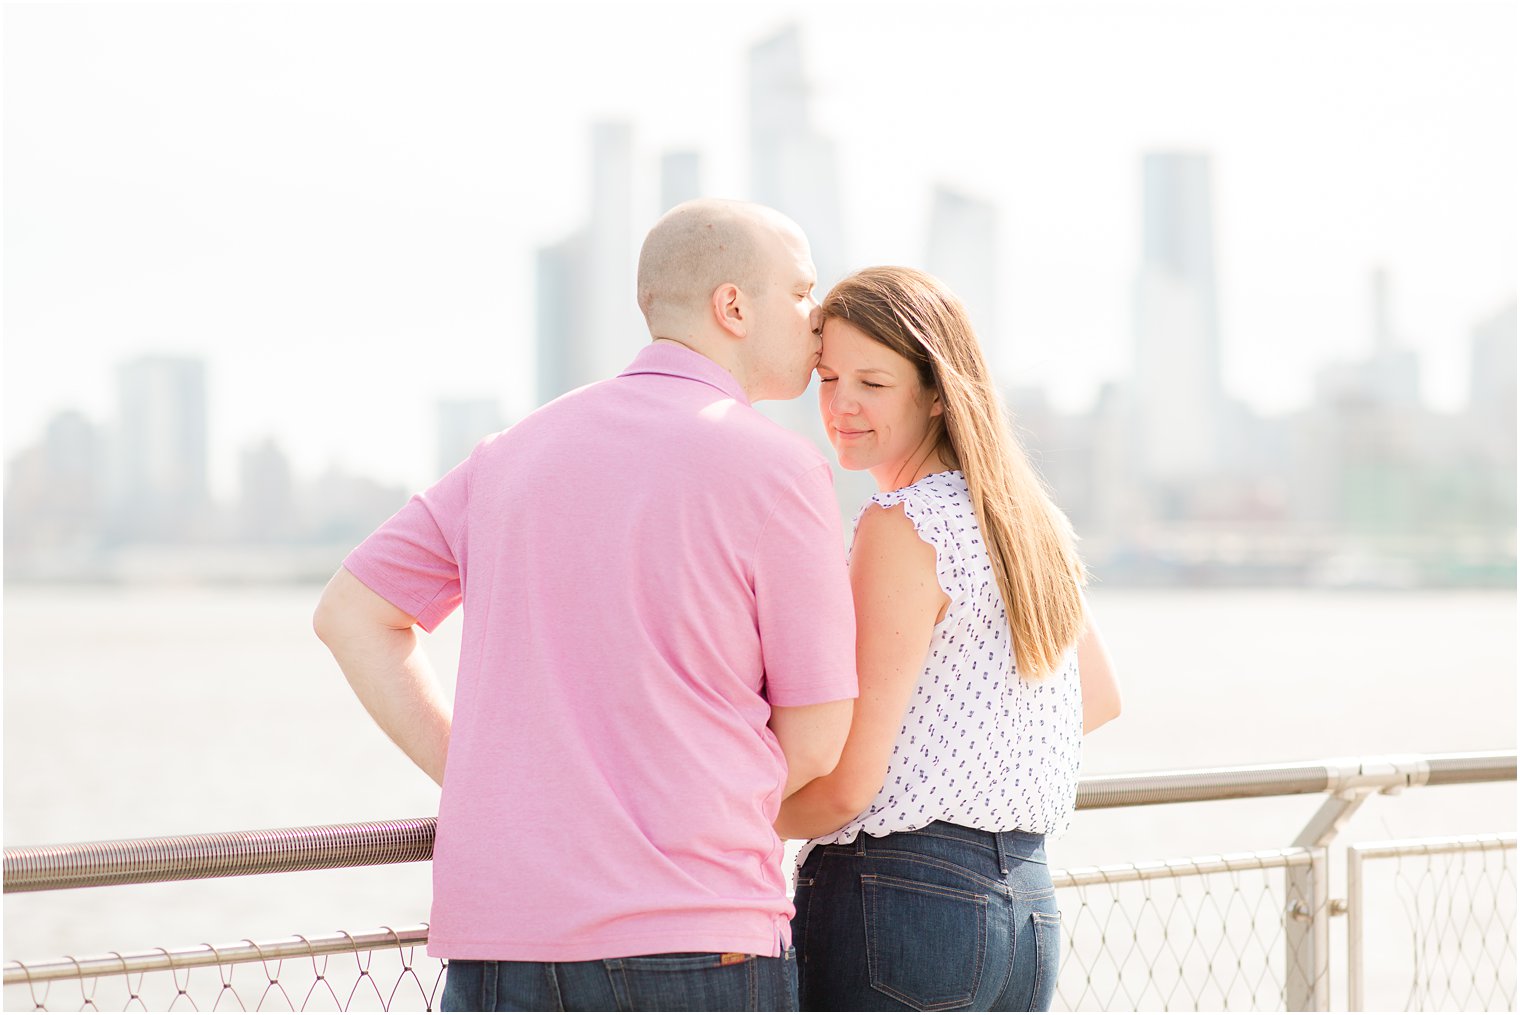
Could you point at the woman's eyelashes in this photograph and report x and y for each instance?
(830, 380)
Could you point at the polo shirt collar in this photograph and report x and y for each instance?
(674, 360)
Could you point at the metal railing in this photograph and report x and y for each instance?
(1266, 943)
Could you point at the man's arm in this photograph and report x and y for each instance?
(378, 651)
(811, 738)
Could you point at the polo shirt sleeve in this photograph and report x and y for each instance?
(413, 559)
(803, 604)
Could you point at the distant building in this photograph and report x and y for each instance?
(341, 508)
(963, 253)
(461, 425)
(616, 328)
(55, 492)
(792, 167)
(266, 494)
(589, 326)
(159, 452)
(1178, 383)
(1388, 377)
(1491, 390)
(560, 315)
(680, 178)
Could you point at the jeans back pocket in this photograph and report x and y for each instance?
(925, 943)
(1047, 944)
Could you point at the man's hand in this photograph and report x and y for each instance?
(378, 651)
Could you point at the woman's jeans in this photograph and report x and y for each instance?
(938, 918)
(690, 981)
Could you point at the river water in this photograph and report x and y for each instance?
(153, 711)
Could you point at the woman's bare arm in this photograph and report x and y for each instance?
(1100, 688)
(897, 603)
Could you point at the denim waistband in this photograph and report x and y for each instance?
(1012, 843)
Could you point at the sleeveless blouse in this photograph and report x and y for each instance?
(979, 746)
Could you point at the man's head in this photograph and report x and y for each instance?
(734, 281)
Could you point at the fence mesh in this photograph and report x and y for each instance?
(1458, 910)
(395, 977)
(1184, 935)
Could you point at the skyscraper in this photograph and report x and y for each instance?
(1491, 394)
(462, 422)
(963, 253)
(1179, 396)
(589, 325)
(559, 318)
(1389, 377)
(680, 178)
(792, 167)
(616, 328)
(160, 447)
(266, 493)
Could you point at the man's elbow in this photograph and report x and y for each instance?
(322, 621)
(327, 620)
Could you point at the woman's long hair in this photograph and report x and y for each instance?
(1029, 540)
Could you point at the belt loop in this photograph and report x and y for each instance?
(1002, 854)
(860, 843)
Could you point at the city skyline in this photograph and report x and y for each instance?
(295, 318)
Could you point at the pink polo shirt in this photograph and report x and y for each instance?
(646, 565)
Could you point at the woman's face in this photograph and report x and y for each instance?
(875, 411)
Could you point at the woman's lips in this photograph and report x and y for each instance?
(849, 435)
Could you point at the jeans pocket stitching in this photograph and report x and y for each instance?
(944, 865)
(1042, 920)
(869, 881)
(925, 887)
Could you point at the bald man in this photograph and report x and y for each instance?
(657, 650)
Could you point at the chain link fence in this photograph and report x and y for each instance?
(383, 970)
(1450, 904)
(1201, 934)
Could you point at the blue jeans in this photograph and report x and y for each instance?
(685, 981)
(938, 918)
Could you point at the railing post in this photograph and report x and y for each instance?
(1355, 1001)
(1306, 935)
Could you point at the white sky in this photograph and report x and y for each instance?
(338, 204)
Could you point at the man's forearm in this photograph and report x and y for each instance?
(393, 679)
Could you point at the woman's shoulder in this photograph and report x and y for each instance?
(924, 511)
(939, 489)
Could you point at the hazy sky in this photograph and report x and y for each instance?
(338, 204)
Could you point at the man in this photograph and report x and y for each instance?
(658, 647)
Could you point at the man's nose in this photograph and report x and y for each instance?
(815, 319)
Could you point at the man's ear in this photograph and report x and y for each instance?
(731, 309)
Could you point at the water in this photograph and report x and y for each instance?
(138, 712)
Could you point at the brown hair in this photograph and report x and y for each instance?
(1029, 540)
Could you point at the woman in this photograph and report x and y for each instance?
(925, 884)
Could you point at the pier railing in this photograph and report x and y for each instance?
(1243, 931)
